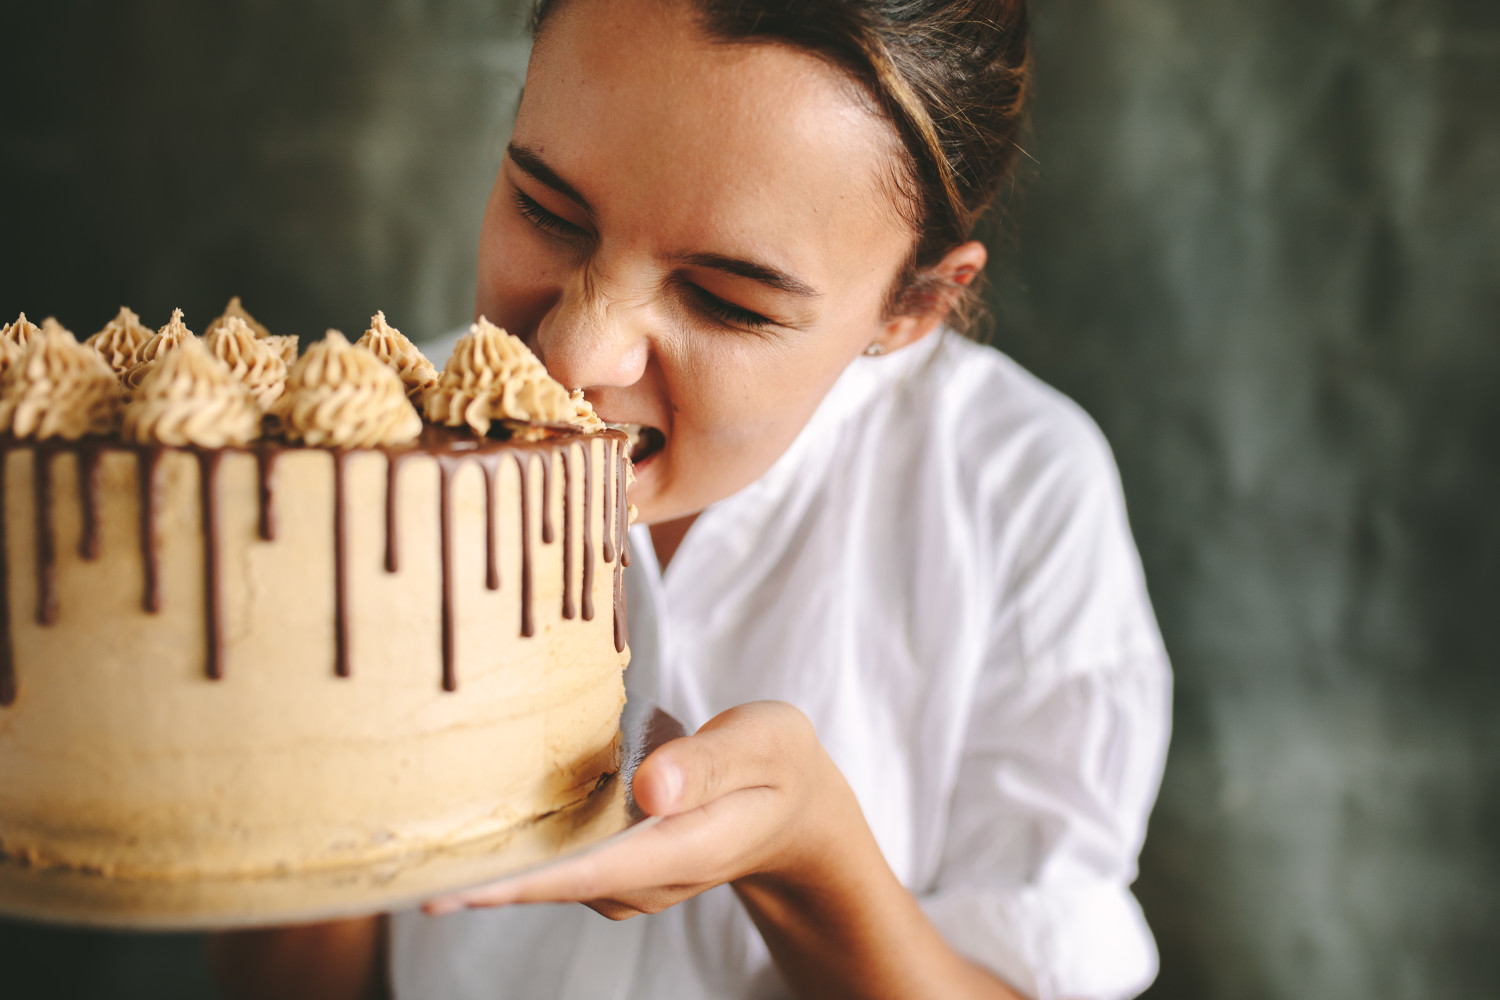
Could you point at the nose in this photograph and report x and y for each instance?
(592, 338)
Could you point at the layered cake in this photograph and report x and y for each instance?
(258, 614)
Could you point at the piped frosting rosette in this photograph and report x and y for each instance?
(13, 340)
(492, 376)
(190, 397)
(58, 388)
(342, 396)
(255, 362)
(167, 339)
(121, 340)
(389, 345)
(286, 347)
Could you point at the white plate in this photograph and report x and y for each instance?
(65, 896)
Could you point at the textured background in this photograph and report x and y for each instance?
(1261, 244)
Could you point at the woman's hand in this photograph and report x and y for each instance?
(752, 793)
(753, 799)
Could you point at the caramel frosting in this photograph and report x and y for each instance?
(286, 346)
(190, 397)
(167, 339)
(58, 388)
(121, 340)
(20, 332)
(236, 310)
(491, 376)
(389, 345)
(343, 396)
(254, 361)
(584, 417)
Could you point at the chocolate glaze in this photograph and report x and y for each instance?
(208, 487)
(450, 448)
(147, 461)
(567, 552)
(523, 463)
(46, 542)
(88, 500)
(340, 566)
(265, 474)
(588, 527)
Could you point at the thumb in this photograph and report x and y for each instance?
(746, 747)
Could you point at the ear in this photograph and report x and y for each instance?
(938, 291)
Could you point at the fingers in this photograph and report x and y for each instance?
(761, 744)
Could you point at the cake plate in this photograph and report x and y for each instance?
(88, 899)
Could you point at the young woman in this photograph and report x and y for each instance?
(886, 574)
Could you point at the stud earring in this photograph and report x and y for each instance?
(875, 350)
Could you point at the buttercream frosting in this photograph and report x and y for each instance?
(58, 388)
(491, 376)
(236, 310)
(255, 362)
(20, 332)
(167, 339)
(343, 396)
(391, 346)
(121, 340)
(190, 397)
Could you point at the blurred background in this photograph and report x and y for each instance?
(1260, 243)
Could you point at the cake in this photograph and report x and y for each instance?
(264, 617)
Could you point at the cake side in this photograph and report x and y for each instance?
(337, 693)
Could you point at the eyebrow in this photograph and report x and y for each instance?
(741, 268)
(535, 167)
(531, 163)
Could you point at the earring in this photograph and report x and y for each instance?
(875, 350)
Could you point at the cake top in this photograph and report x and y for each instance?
(239, 382)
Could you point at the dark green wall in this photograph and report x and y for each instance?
(1260, 243)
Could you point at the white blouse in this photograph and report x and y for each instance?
(938, 572)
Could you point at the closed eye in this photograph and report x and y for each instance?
(715, 308)
(544, 220)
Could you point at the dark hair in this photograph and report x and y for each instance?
(952, 76)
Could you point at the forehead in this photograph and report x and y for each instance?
(753, 144)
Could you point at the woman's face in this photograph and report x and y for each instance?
(699, 235)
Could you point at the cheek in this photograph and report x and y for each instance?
(520, 277)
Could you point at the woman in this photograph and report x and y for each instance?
(899, 593)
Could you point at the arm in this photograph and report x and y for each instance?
(754, 799)
(340, 960)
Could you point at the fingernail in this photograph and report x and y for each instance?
(671, 784)
(442, 907)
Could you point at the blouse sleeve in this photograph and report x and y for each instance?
(1066, 737)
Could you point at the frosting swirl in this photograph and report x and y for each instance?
(391, 346)
(286, 346)
(58, 388)
(343, 396)
(494, 376)
(236, 310)
(190, 397)
(255, 362)
(167, 339)
(121, 340)
(20, 332)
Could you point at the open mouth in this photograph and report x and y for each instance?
(644, 441)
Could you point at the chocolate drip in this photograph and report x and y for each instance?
(546, 498)
(490, 464)
(622, 515)
(588, 528)
(88, 500)
(567, 554)
(265, 474)
(523, 461)
(609, 510)
(46, 547)
(340, 566)
(445, 532)
(208, 486)
(148, 460)
(393, 462)
(7, 657)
